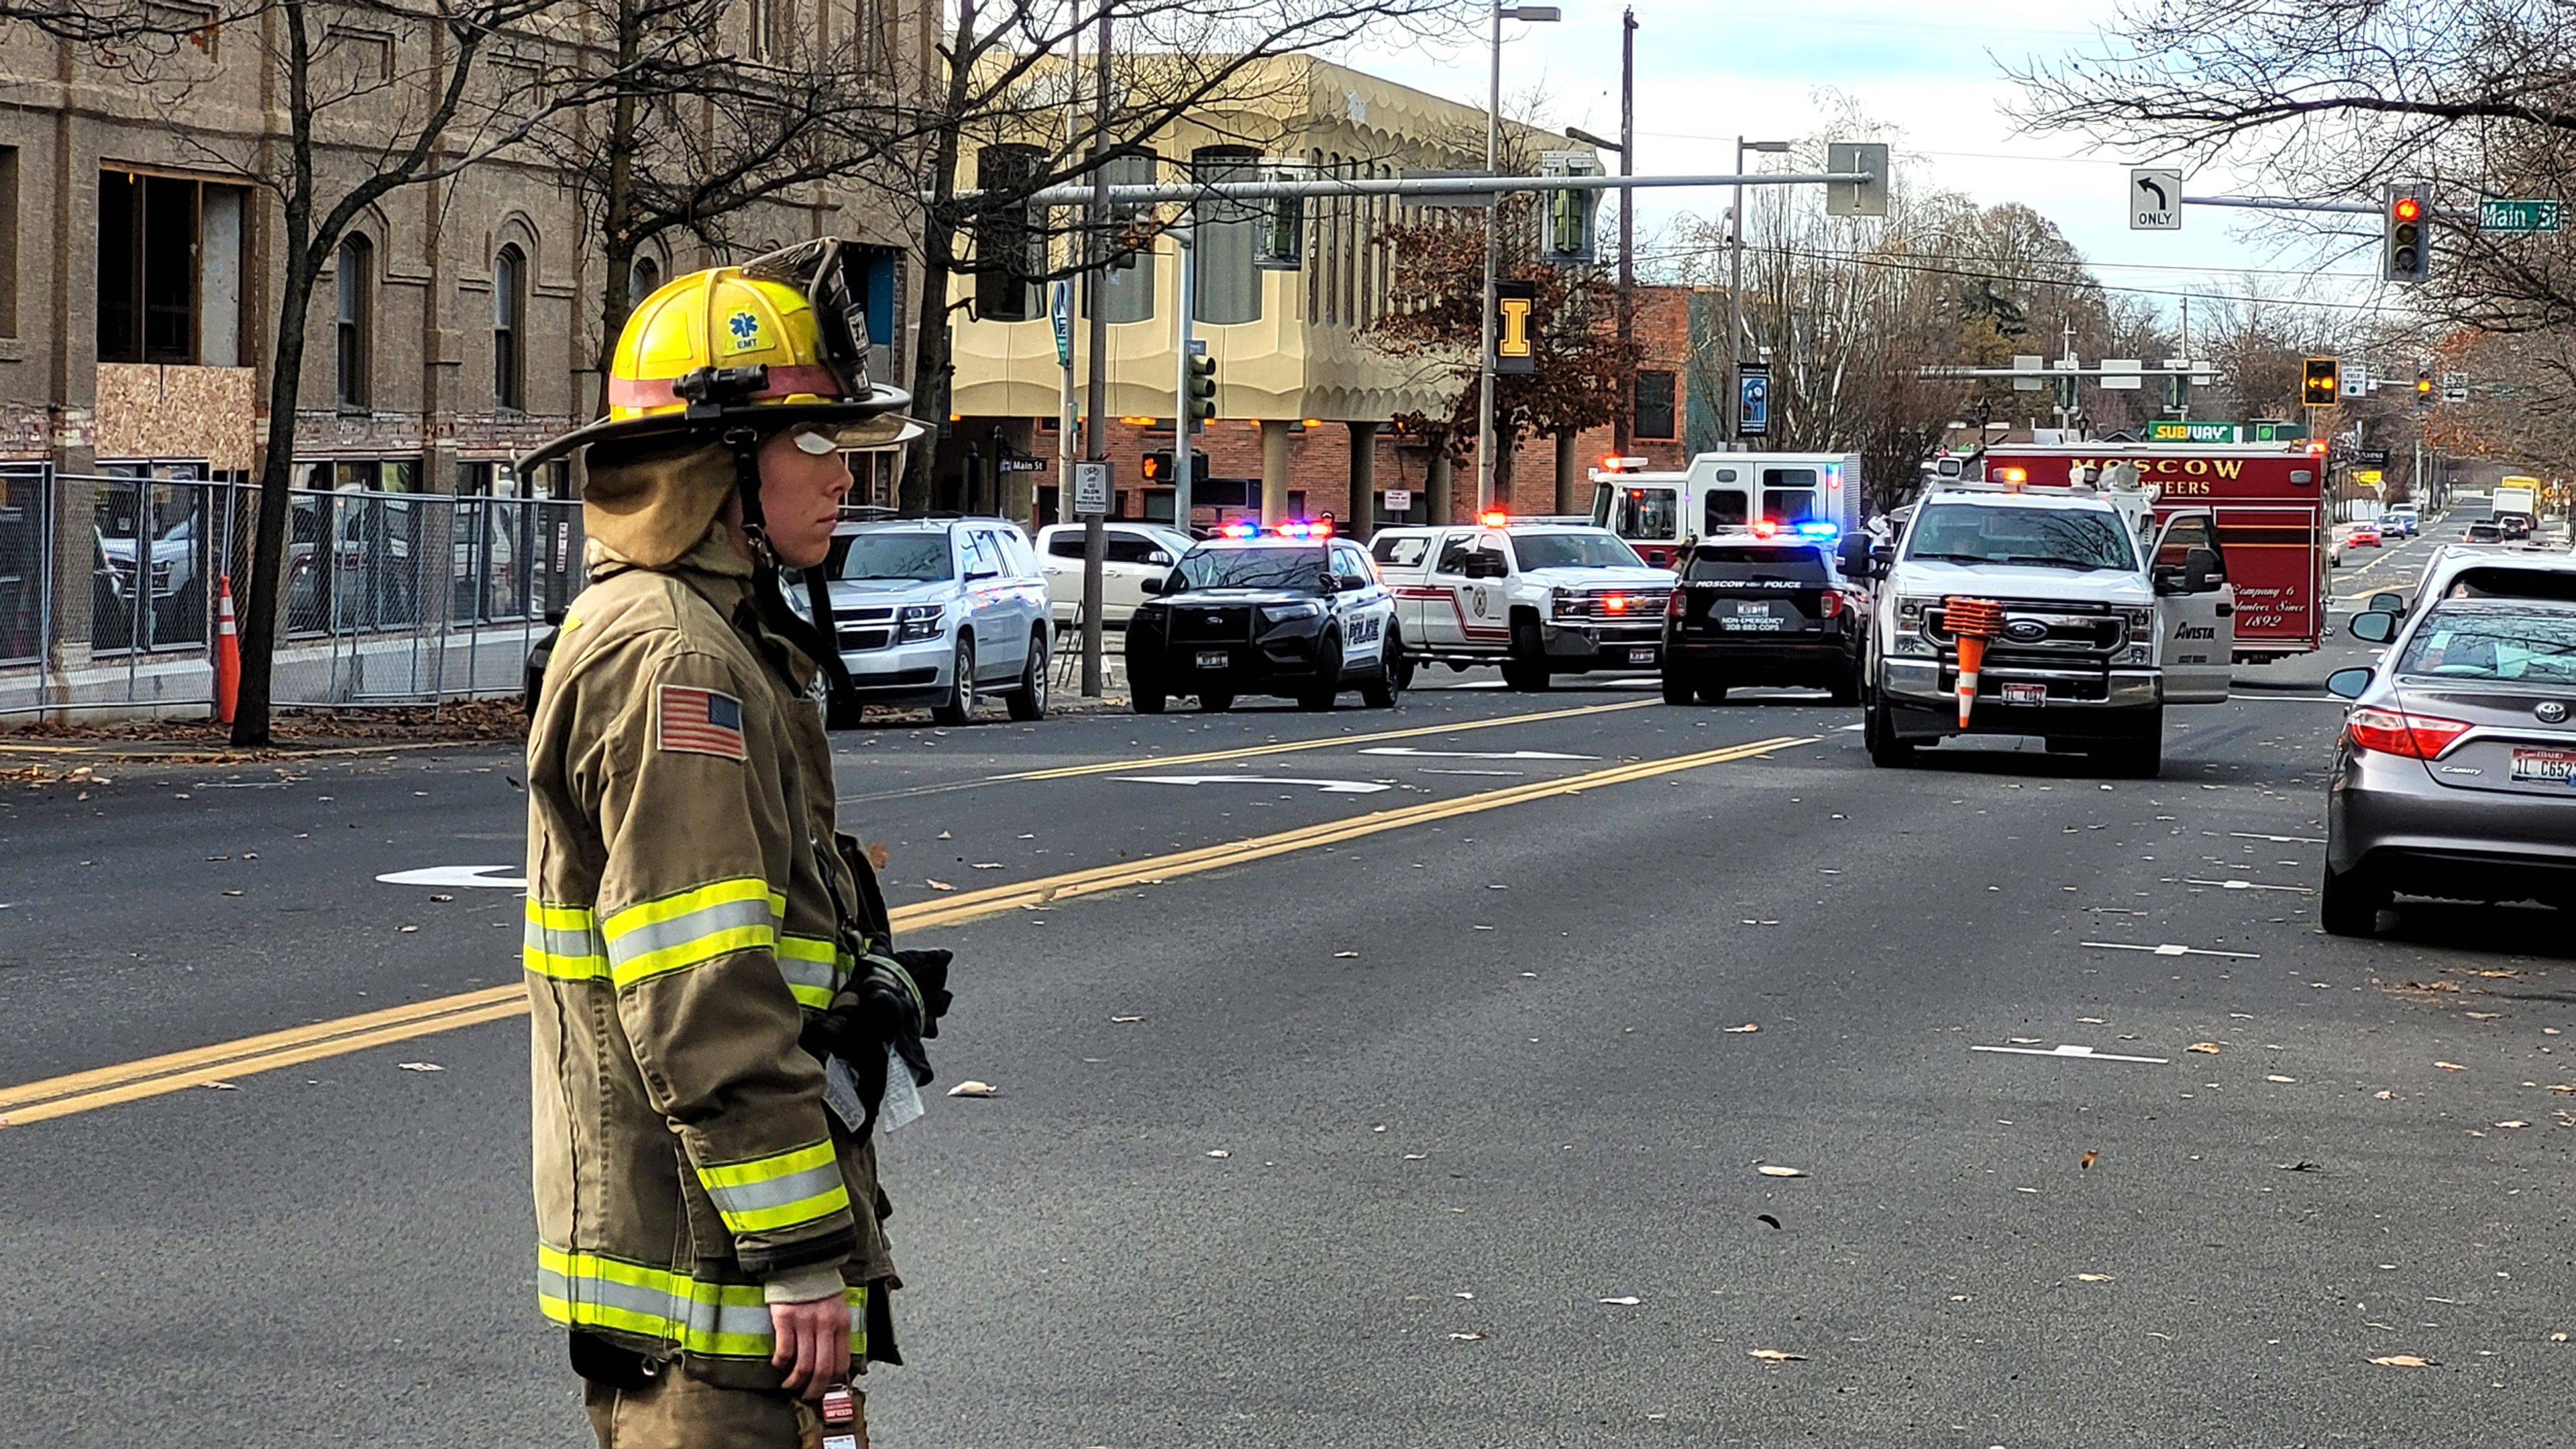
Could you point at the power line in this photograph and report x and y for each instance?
(1905, 265)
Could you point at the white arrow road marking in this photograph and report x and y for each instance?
(1329, 787)
(2080, 1053)
(2247, 885)
(456, 876)
(1852, 729)
(2167, 949)
(1477, 754)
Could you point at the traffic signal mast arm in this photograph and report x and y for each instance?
(1459, 186)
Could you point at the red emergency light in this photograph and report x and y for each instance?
(1493, 518)
(1765, 528)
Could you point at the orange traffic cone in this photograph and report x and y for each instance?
(1972, 622)
(227, 653)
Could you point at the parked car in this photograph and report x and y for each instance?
(938, 611)
(2455, 776)
(1136, 552)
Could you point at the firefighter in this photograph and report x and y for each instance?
(708, 959)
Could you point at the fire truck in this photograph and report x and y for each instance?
(1724, 493)
(2269, 502)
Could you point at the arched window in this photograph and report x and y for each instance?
(643, 279)
(509, 323)
(357, 325)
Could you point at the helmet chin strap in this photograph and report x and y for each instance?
(813, 638)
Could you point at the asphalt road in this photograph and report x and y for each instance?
(1375, 1129)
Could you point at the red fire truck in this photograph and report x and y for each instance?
(2270, 504)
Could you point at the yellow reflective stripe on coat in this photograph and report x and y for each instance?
(812, 966)
(716, 1320)
(562, 942)
(692, 927)
(782, 1190)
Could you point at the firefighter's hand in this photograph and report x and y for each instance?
(813, 1343)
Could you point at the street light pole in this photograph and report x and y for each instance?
(1493, 242)
(1735, 293)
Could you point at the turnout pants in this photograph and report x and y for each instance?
(675, 1411)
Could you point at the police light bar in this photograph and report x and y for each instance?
(1765, 528)
(1818, 528)
(1613, 463)
(1239, 530)
(1493, 518)
(1321, 529)
(2013, 476)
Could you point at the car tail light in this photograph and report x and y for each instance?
(1673, 604)
(1833, 603)
(2394, 732)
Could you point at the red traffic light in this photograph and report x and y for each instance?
(2406, 208)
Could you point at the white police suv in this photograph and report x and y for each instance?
(1292, 611)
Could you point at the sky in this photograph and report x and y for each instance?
(1933, 70)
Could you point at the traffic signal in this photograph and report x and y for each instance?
(1199, 394)
(2321, 382)
(2423, 388)
(1160, 471)
(2407, 255)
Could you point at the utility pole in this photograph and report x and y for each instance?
(1068, 442)
(1095, 534)
(1185, 292)
(1625, 427)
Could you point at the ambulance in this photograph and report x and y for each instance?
(1725, 493)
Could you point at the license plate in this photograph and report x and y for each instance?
(2545, 767)
(1212, 659)
(1742, 608)
(1763, 624)
(2025, 694)
(1641, 656)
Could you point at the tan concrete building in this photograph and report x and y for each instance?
(1300, 388)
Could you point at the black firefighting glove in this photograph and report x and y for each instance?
(894, 1001)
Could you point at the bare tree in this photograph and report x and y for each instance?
(1003, 79)
(2330, 99)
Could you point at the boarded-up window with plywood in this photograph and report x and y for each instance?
(169, 270)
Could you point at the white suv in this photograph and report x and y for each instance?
(1136, 552)
(938, 611)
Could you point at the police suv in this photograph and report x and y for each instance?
(1294, 611)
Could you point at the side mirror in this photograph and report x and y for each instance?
(2202, 571)
(1350, 581)
(2373, 628)
(2348, 683)
(2168, 578)
(1159, 559)
(2386, 604)
(1152, 585)
(1853, 555)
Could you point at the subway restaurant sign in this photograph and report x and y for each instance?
(2181, 432)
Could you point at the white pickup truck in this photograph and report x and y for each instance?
(2108, 617)
(1538, 598)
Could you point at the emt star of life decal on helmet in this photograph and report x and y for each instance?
(745, 327)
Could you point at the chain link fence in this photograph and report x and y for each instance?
(109, 592)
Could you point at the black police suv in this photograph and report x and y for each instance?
(1295, 612)
(1753, 610)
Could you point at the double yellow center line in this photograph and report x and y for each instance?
(209, 1065)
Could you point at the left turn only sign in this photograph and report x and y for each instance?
(2155, 199)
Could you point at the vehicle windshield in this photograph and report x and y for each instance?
(1573, 551)
(1743, 564)
(1301, 569)
(2062, 538)
(2495, 642)
(895, 554)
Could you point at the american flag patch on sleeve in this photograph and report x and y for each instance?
(699, 722)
